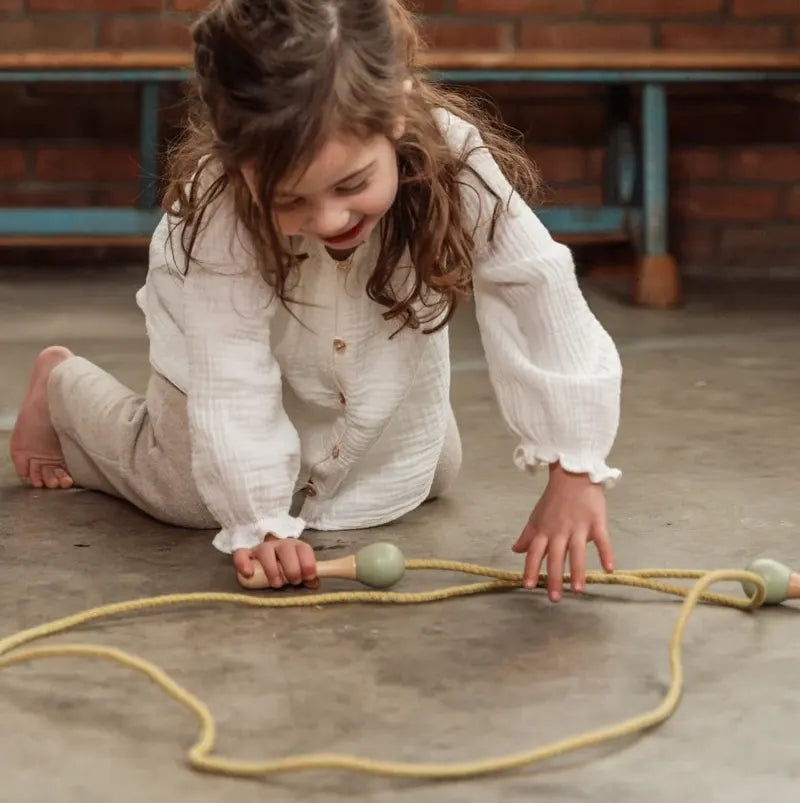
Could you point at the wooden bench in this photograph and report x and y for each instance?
(635, 185)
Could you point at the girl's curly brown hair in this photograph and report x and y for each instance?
(274, 78)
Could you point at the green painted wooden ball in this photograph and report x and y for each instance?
(380, 565)
(776, 576)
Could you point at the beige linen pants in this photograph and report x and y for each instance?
(137, 447)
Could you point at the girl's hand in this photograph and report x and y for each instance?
(571, 512)
(285, 560)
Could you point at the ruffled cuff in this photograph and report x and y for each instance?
(247, 536)
(530, 458)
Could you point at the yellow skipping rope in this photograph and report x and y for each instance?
(381, 565)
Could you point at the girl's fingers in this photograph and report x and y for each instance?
(555, 567)
(243, 561)
(290, 562)
(577, 563)
(524, 541)
(308, 564)
(533, 561)
(602, 541)
(266, 554)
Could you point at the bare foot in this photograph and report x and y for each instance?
(35, 450)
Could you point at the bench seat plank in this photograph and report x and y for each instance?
(757, 61)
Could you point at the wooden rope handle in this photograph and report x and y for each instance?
(378, 565)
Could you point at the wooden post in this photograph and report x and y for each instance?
(658, 282)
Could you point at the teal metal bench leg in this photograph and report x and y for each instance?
(619, 176)
(148, 144)
(658, 281)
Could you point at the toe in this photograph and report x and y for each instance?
(64, 479)
(35, 475)
(49, 476)
(21, 465)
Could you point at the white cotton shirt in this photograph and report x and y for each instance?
(324, 400)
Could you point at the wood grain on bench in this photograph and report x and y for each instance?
(610, 60)
(73, 241)
(438, 60)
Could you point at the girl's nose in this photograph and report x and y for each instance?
(329, 221)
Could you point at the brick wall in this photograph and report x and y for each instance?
(735, 150)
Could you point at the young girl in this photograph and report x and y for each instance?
(328, 208)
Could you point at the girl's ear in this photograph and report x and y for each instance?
(399, 127)
(400, 124)
(248, 174)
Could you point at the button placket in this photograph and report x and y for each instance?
(339, 348)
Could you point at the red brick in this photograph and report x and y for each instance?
(559, 124)
(559, 164)
(734, 117)
(54, 195)
(86, 164)
(454, 35)
(429, 6)
(12, 164)
(714, 36)
(595, 163)
(767, 163)
(110, 114)
(580, 35)
(602, 260)
(656, 8)
(695, 243)
(190, 5)
(583, 195)
(20, 195)
(725, 203)
(42, 33)
(99, 257)
(694, 164)
(11, 5)
(529, 93)
(105, 6)
(146, 32)
(561, 7)
(765, 8)
(793, 203)
(771, 243)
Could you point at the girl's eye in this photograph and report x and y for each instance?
(355, 188)
(288, 204)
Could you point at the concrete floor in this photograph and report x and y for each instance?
(709, 437)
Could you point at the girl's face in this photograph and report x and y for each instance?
(341, 197)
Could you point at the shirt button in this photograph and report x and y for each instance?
(336, 452)
(339, 344)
